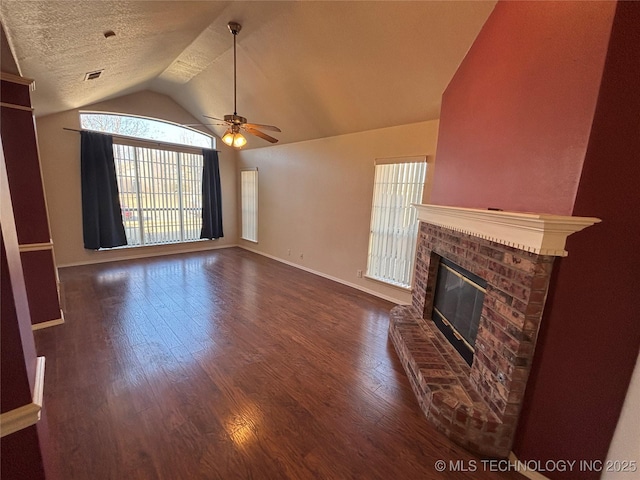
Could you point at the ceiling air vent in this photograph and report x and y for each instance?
(92, 75)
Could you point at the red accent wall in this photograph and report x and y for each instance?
(516, 116)
(23, 169)
(18, 356)
(20, 151)
(20, 452)
(42, 290)
(16, 93)
(20, 456)
(591, 335)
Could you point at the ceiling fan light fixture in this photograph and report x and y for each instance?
(234, 138)
(239, 141)
(228, 137)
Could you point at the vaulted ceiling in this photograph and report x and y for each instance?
(315, 69)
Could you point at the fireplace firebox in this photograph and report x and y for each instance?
(457, 306)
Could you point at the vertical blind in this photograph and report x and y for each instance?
(249, 204)
(394, 225)
(160, 194)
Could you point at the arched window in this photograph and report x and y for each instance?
(145, 128)
(159, 172)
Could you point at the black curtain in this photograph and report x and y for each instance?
(101, 213)
(211, 196)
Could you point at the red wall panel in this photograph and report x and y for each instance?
(27, 197)
(15, 387)
(516, 116)
(42, 289)
(20, 456)
(15, 93)
(23, 169)
(591, 334)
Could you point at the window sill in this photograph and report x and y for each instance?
(126, 247)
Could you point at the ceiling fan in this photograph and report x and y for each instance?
(235, 123)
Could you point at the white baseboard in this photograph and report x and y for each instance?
(526, 472)
(49, 323)
(324, 275)
(26, 415)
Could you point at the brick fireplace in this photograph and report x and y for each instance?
(478, 406)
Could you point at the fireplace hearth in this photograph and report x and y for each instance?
(476, 401)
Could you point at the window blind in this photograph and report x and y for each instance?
(394, 225)
(249, 204)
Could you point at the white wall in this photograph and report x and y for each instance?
(60, 159)
(315, 199)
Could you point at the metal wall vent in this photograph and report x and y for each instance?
(92, 75)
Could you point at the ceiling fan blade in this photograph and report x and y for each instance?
(214, 118)
(263, 127)
(258, 133)
(203, 124)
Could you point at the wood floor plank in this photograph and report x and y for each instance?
(229, 365)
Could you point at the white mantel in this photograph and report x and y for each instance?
(542, 234)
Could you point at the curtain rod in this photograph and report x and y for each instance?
(153, 142)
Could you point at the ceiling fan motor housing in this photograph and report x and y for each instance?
(235, 119)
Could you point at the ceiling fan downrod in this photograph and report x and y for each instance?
(234, 28)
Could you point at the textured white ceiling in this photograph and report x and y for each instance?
(314, 69)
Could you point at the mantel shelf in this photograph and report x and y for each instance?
(543, 234)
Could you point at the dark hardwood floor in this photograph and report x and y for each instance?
(229, 365)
